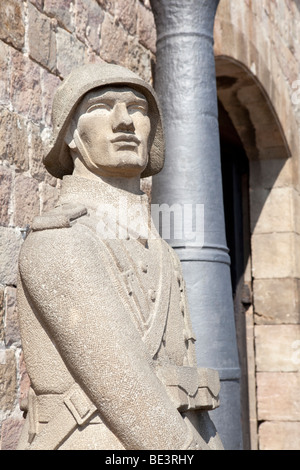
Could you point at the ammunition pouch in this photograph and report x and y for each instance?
(191, 388)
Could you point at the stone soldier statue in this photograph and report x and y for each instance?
(105, 326)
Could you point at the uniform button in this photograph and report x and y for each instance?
(152, 295)
(144, 267)
(188, 335)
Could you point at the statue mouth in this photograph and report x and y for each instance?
(127, 138)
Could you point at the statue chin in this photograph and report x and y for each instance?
(125, 165)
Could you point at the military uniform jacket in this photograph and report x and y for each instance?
(106, 335)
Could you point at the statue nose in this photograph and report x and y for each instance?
(122, 120)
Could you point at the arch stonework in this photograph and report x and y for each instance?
(257, 64)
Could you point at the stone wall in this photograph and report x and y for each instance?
(40, 42)
(260, 39)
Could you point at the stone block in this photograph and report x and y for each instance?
(88, 19)
(251, 378)
(5, 195)
(17, 141)
(70, 52)
(27, 203)
(12, 332)
(139, 60)
(41, 38)
(49, 84)
(126, 13)
(286, 61)
(13, 139)
(61, 10)
(90, 57)
(265, 207)
(296, 249)
(2, 314)
(241, 44)
(217, 37)
(8, 380)
(5, 73)
(81, 14)
(4, 123)
(10, 433)
(114, 42)
(277, 348)
(25, 91)
(296, 211)
(12, 29)
(226, 38)
(10, 244)
(273, 255)
(276, 301)
(278, 396)
(146, 28)
(108, 5)
(279, 435)
(36, 152)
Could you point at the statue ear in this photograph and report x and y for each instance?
(69, 137)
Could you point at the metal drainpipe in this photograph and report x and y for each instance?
(186, 85)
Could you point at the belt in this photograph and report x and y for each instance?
(67, 411)
(189, 388)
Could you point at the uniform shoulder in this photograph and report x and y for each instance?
(61, 216)
(47, 243)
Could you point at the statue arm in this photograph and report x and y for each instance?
(61, 271)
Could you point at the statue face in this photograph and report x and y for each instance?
(112, 131)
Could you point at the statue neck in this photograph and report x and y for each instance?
(95, 191)
(131, 185)
(129, 210)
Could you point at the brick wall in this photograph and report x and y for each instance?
(40, 42)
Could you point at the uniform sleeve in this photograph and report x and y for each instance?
(73, 295)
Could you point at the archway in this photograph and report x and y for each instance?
(254, 153)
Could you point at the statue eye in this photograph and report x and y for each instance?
(135, 108)
(99, 106)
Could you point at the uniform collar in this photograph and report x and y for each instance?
(103, 199)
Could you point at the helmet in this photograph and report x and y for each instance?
(81, 80)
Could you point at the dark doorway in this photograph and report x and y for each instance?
(235, 178)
